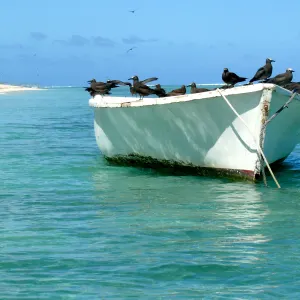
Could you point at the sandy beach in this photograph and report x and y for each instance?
(7, 88)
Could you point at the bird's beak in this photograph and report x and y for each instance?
(188, 85)
(273, 60)
(89, 81)
(130, 78)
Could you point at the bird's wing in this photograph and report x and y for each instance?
(100, 88)
(130, 49)
(144, 89)
(200, 90)
(233, 75)
(176, 91)
(99, 83)
(143, 86)
(279, 77)
(117, 82)
(148, 80)
(260, 72)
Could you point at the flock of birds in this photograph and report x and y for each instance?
(141, 88)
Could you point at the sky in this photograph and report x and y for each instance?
(67, 42)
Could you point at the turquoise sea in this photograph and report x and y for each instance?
(74, 227)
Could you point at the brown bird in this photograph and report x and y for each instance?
(136, 80)
(139, 87)
(102, 88)
(177, 92)
(195, 90)
(264, 72)
(131, 89)
(292, 85)
(231, 78)
(159, 91)
(98, 90)
(282, 79)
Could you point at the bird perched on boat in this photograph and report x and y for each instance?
(292, 85)
(102, 88)
(159, 91)
(296, 90)
(140, 87)
(110, 84)
(195, 90)
(132, 92)
(282, 79)
(90, 90)
(264, 72)
(231, 78)
(136, 79)
(177, 92)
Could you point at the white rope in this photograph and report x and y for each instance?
(257, 144)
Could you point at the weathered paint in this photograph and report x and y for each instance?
(194, 130)
(264, 106)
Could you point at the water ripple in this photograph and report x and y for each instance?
(71, 226)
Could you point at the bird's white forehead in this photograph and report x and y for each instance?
(290, 69)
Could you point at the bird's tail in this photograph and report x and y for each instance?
(242, 79)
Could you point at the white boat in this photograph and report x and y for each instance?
(199, 133)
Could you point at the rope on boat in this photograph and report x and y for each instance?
(280, 109)
(257, 144)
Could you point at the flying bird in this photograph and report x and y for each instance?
(133, 11)
(130, 49)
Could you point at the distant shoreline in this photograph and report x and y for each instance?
(9, 88)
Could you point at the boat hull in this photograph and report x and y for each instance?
(197, 134)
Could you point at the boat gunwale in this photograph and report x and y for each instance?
(117, 102)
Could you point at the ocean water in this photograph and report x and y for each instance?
(74, 227)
